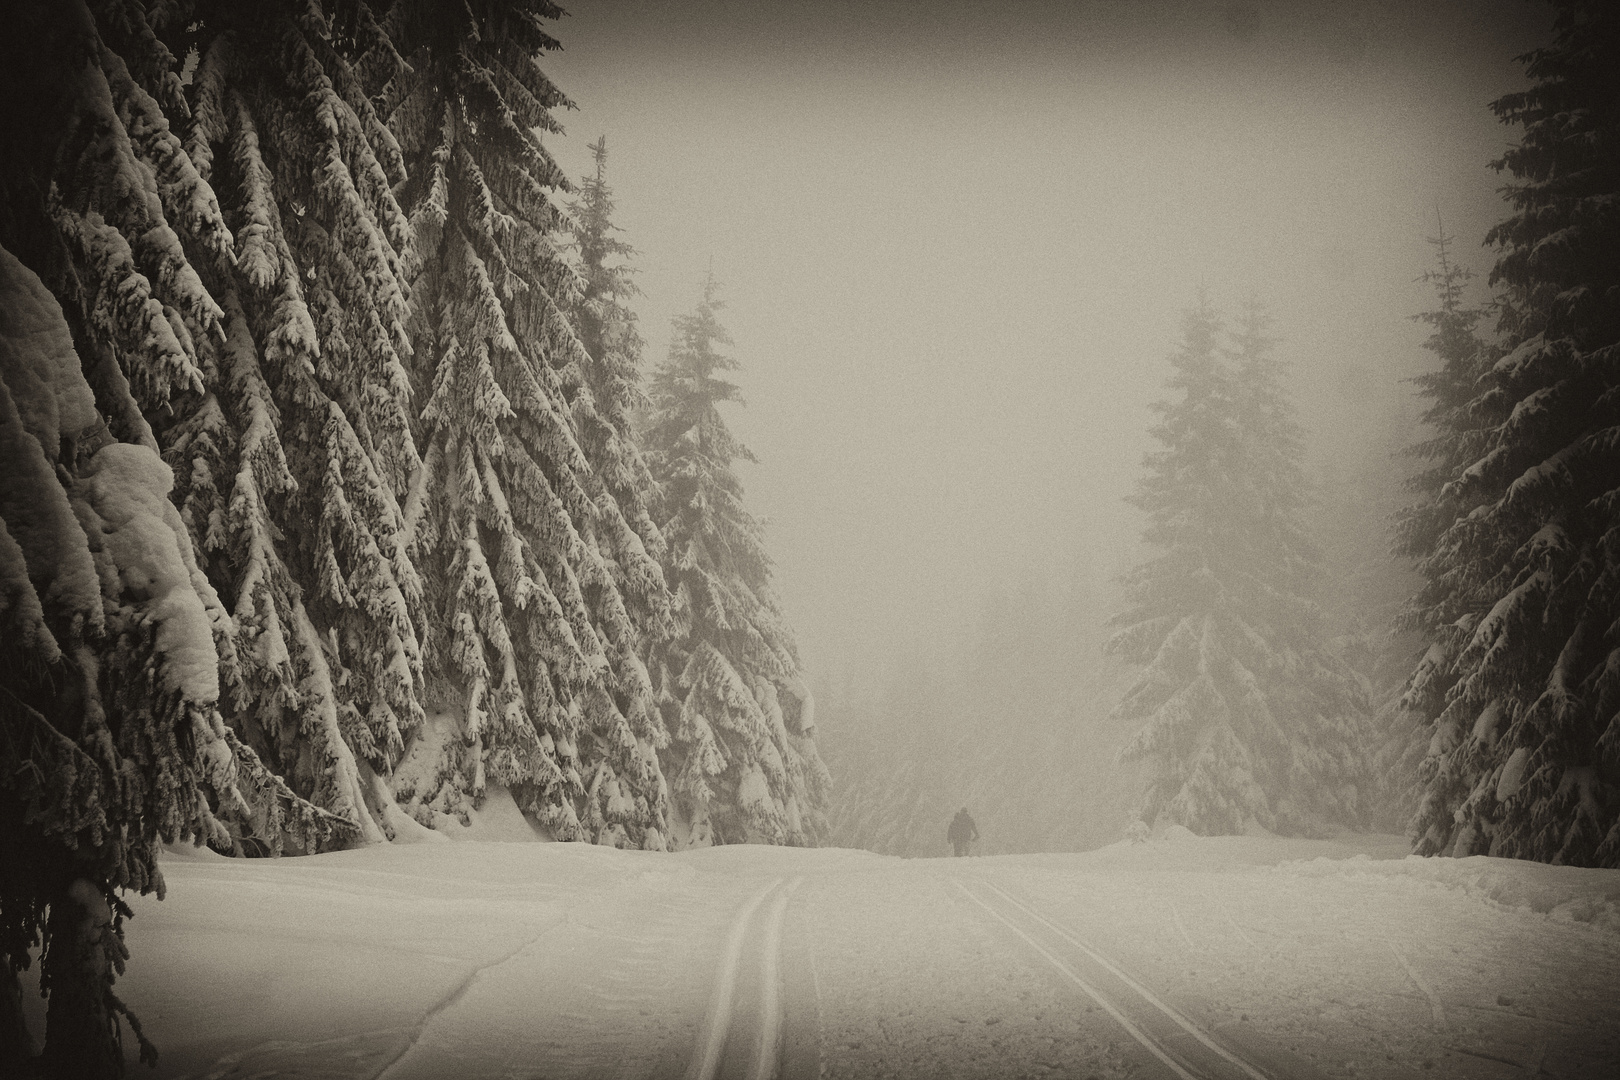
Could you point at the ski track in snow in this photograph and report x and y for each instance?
(754, 1040)
(717, 1022)
(1147, 1041)
(1175, 913)
(456, 993)
(1178, 1063)
(1435, 1007)
(769, 1038)
(1146, 994)
(487, 961)
(820, 1023)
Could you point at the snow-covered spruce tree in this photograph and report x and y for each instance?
(606, 417)
(1247, 719)
(533, 566)
(107, 202)
(744, 757)
(305, 412)
(1460, 435)
(607, 331)
(1215, 757)
(111, 740)
(1520, 546)
(1310, 689)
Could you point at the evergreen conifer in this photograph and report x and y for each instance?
(744, 762)
(115, 642)
(1519, 536)
(306, 411)
(533, 565)
(1247, 717)
(1432, 613)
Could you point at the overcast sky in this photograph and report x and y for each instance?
(955, 240)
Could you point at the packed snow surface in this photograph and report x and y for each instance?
(495, 959)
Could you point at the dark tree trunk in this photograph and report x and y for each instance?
(16, 1045)
(81, 1032)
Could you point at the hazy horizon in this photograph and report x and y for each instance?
(955, 243)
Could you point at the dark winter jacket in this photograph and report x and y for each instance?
(962, 828)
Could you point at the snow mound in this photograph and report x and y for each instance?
(1567, 893)
(1179, 849)
(128, 489)
(185, 849)
(38, 357)
(498, 820)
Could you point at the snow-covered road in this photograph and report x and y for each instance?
(1232, 957)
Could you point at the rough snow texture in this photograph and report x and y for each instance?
(1301, 954)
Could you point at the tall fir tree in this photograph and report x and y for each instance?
(306, 412)
(1520, 538)
(1247, 717)
(607, 332)
(110, 736)
(1434, 767)
(606, 416)
(116, 642)
(1310, 687)
(534, 567)
(744, 762)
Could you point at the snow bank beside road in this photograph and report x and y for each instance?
(1180, 850)
(1570, 893)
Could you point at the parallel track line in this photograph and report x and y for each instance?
(768, 1046)
(717, 1023)
(1147, 995)
(1107, 1006)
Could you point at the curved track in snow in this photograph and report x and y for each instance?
(1181, 1048)
(742, 1037)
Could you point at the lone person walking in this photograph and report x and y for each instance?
(962, 832)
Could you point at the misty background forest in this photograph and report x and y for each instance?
(788, 424)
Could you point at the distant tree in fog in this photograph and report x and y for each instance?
(1247, 718)
(743, 764)
(607, 326)
(1015, 726)
(1518, 530)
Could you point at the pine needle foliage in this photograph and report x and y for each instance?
(534, 565)
(115, 644)
(1518, 536)
(306, 414)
